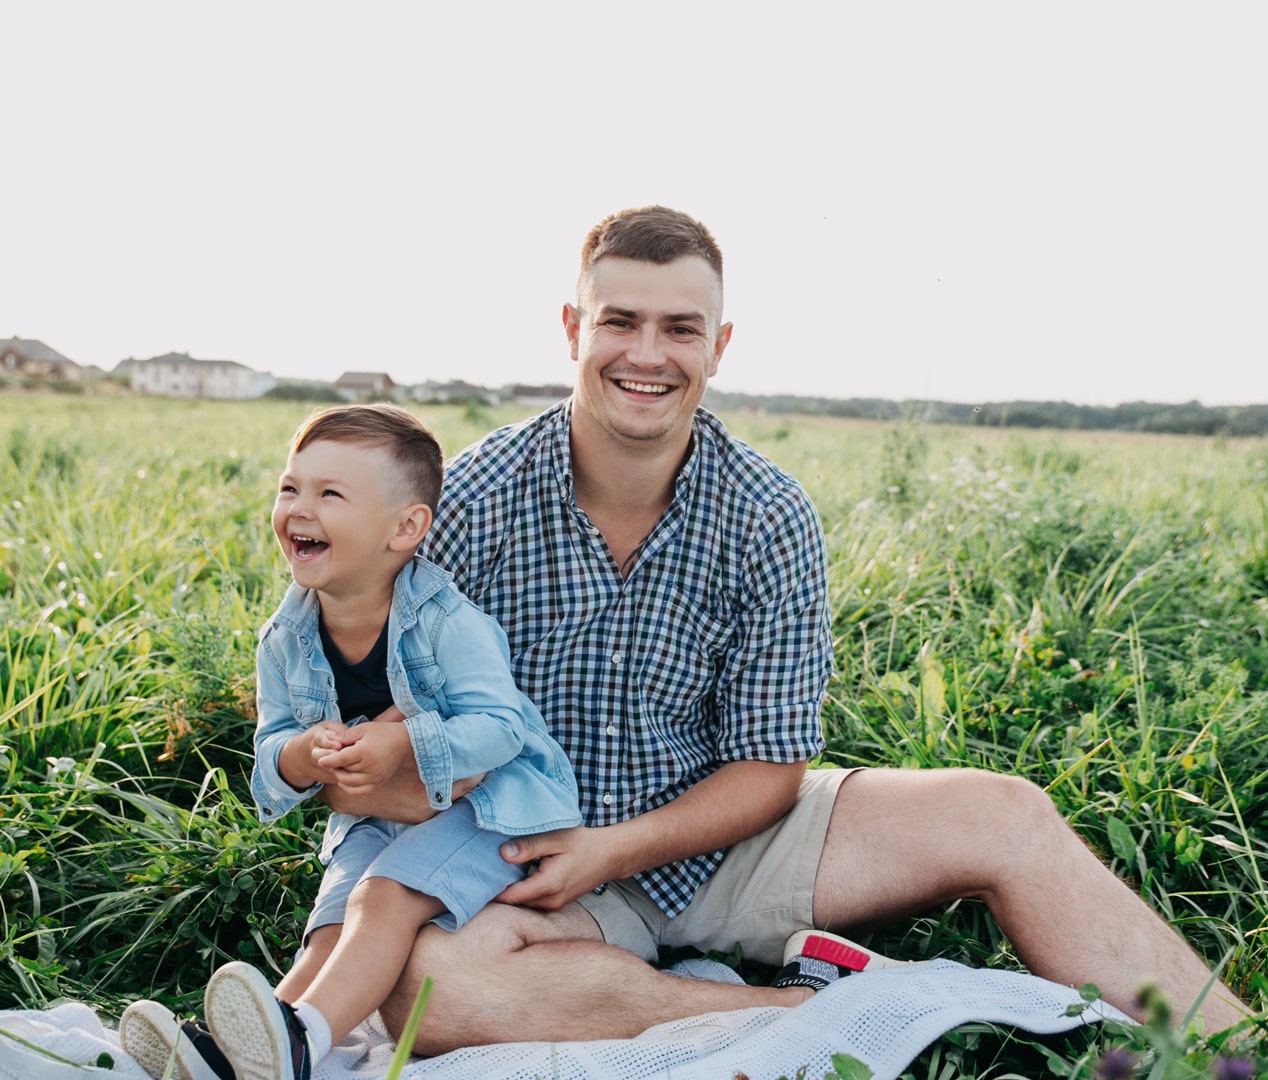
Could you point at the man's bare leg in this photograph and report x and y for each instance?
(513, 974)
(901, 842)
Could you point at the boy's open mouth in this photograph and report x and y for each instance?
(305, 547)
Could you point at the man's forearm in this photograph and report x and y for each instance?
(739, 800)
(403, 798)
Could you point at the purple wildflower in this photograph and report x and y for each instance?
(1232, 1068)
(1115, 1064)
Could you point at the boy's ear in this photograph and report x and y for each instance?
(412, 528)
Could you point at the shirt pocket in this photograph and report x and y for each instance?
(310, 705)
(426, 682)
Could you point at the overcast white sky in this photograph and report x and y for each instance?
(963, 201)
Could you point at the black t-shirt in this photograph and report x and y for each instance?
(362, 688)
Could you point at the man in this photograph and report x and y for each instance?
(663, 590)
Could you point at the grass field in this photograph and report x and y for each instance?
(1089, 611)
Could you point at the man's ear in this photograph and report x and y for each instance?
(412, 527)
(720, 343)
(572, 327)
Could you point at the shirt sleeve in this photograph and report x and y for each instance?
(484, 723)
(777, 667)
(275, 726)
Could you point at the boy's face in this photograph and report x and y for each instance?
(340, 524)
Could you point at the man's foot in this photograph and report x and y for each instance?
(816, 959)
(152, 1034)
(262, 1037)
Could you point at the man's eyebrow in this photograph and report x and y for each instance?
(672, 317)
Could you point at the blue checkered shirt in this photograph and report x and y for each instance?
(716, 647)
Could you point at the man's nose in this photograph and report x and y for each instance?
(647, 351)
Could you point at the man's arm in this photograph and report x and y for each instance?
(738, 800)
(403, 798)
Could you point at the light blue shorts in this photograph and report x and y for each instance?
(449, 857)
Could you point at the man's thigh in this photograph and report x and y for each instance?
(762, 892)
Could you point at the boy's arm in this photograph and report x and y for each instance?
(488, 716)
(272, 788)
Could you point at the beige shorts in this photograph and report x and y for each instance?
(762, 892)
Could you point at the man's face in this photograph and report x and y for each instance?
(647, 337)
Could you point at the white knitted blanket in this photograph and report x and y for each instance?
(883, 1018)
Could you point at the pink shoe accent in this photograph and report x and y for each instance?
(835, 952)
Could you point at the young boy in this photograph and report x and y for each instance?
(369, 629)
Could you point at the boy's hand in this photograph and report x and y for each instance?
(326, 737)
(298, 761)
(369, 755)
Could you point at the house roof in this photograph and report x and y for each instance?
(34, 350)
(185, 358)
(364, 378)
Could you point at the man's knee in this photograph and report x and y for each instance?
(462, 961)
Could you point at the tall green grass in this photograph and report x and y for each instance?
(1089, 611)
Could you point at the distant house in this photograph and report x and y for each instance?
(355, 385)
(34, 359)
(538, 397)
(180, 375)
(455, 390)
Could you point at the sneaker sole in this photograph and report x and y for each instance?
(247, 1023)
(149, 1032)
(837, 950)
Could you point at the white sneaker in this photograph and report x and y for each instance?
(151, 1033)
(262, 1037)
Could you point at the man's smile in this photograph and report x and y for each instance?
(642, 387)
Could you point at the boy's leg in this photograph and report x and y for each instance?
(266, 1037)
(384, 917)
(317, 950)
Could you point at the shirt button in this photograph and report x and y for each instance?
(607, 800)
(611, 729)
(616, 658)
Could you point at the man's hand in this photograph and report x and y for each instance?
(364, 757)
(402, 798)
(737, 801)
(570, 863)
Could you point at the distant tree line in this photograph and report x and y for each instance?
(1190, 418)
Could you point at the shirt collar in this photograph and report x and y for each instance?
(561, 456)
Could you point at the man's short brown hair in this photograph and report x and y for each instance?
(654, 234)
(419, 460)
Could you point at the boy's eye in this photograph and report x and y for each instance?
(287, 489)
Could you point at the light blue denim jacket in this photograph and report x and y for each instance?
(449, 671)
